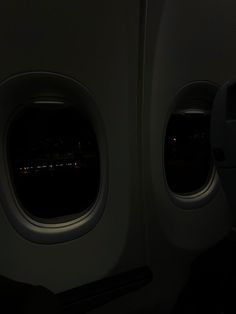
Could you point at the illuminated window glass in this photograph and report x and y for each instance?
(54, 160)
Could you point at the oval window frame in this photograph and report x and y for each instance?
(195, 91)
(29, 228)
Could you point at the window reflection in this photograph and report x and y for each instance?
(188, 160)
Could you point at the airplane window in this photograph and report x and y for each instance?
(54, 160)
(188, 159)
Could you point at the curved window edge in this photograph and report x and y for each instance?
(51, 233)
(204, 195)
(197, 199)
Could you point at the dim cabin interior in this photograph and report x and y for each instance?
(117, 185)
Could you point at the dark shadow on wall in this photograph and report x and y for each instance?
(211, 288)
